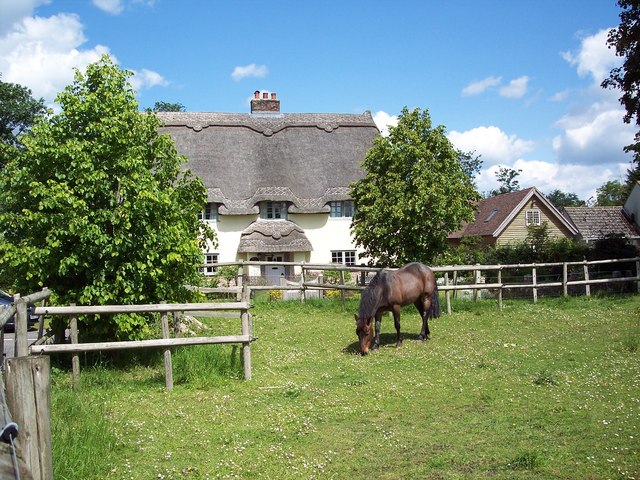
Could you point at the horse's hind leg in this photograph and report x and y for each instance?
(423, 308)
(396, 323)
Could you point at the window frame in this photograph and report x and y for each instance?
(273, 210)
(532, 216)
(207, 269)
(210, 213)
(341, 209)
(344, 257)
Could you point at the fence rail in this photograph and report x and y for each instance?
(452, 277)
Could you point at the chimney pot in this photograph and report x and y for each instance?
(262, 104)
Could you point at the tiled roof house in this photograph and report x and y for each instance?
(504, 219)
(594, 223)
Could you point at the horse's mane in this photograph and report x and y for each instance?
(370, 298)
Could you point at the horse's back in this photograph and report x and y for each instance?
(413, 280)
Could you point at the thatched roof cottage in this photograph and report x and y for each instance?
(278, 183)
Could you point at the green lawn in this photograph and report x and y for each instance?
(542, 391)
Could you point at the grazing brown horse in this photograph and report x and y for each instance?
(389, 291)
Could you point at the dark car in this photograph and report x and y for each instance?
(6, 301)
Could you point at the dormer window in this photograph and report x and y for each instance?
(210, 212)
(343, 208)
(273, 210)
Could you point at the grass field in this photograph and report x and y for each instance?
(544, 391)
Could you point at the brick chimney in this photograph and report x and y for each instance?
(264, 104)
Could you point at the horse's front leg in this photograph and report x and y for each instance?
(376, 340)
(396, 323)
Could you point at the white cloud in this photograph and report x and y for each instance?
(594, 58)
(146, 79)
(596, 137)
(595, 134)
(383, 120)
(41, 53)
(548, 176)
(476, 88)
(12, 11)
(516, 88)
(113, 7)
(494, 145)
(560, 96)
(251, 70)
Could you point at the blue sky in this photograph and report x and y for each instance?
(515, 81)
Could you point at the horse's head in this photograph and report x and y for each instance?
(364, 330)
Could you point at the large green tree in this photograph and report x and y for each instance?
(415, 191)
(18, 112)
(611, 193)
(507, 179)
(97, 208)
(626, 78)
(564, 199)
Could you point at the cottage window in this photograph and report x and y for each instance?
(532, 217)
(210, 260)
(273, 210)
(342, 208)
(210, 212)
(344, 257)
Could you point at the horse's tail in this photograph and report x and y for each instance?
(434, 308)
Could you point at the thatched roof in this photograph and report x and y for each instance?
(305, 159)
(274, 236)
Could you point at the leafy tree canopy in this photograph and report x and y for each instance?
(96, 206)
(507, 179)
(611, 193)
(18, 111)
(625, 39)
(168, 107)
(414, 193)
(563, 199)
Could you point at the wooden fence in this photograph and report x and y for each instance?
(568, 277)
(28, 377)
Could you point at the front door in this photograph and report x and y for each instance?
(274, 272)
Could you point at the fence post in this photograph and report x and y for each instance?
(476, 279)
(29, 400)
(534, 281)
(239, 277)
(587, 287)
(638, 272)
(447, 293)
(342, 295)
(303, 289)
(455, 282)
(565, 277)
(75, 359)
(500, 289)
(168, 367)
(246, 346)
(20, 327)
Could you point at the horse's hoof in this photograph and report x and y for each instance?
(398, 345)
